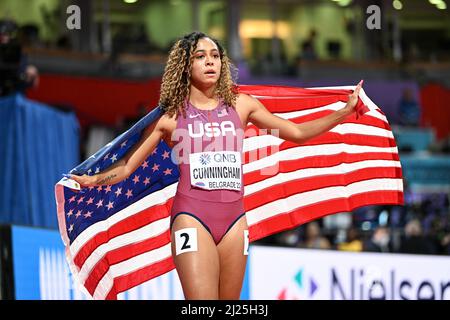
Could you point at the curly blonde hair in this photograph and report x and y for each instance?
(176, 80)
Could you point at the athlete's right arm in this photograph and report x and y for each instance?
(134, 157)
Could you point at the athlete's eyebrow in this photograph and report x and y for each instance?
(203, 50)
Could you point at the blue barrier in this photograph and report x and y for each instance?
(426, 169)
(37, 144)
(413, 139)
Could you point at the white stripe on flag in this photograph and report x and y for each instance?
(129, 266)
(257, 142)
(146, 232)
(310, 151)
(342, 168)
(282, 206)
(153, 199)
(362, 129)
(362, 95)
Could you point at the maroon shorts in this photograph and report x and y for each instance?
(216, 217)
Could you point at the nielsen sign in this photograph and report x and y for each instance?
(357, 287)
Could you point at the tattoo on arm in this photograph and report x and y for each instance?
(107, 179)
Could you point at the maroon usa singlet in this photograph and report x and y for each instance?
(208, 149)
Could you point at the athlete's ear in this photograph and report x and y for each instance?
(186, 70)
(185, 75)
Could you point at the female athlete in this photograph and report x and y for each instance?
(203, 122)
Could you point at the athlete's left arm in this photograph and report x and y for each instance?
(297, 132)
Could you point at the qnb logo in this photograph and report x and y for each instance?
(55, 280)
(300, 287)
(205, 159)
(213, 129)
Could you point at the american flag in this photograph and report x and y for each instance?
(118, 237)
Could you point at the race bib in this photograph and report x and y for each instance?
(216, 170)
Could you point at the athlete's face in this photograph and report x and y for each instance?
(206, 63)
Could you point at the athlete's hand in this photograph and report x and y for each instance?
(84, 180)
(352, 101)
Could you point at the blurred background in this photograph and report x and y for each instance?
(75, 74)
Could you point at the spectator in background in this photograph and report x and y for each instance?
(125, 123)
(16, 74)
(307, 52)
(445, 243)
(29, 35)
(288, 238)
(63, 42)
(314, 238)
(379, 242)
(353, 241)
(309, 46)
(409, 109)
(414, 240)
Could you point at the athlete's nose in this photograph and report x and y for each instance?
(209, 61)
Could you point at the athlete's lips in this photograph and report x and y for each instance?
(210, 71)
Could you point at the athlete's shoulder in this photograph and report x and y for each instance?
(167, 122)
(168, 118)
(164, 124)
(246, 102)
(242, 97)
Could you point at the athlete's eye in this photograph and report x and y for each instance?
(216, 56)
(199, 57)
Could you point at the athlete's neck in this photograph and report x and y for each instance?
(203, 99)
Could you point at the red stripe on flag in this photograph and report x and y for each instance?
(338, 138)
(367, 120)
(136, 221)
(140, 276)
(294, 218)
(297, 186)
(298, 104)
(279, 98)
(315, 162)
(123, 253)
(279, 91)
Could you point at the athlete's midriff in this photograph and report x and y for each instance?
(208, 148)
